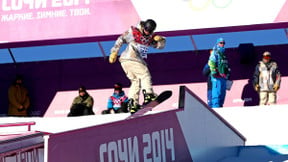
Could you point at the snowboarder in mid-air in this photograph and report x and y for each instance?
(138, 40)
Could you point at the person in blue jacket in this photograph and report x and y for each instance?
(220, 73)
(117, 103)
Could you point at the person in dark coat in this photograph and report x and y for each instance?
(19, 101)
(82, 104)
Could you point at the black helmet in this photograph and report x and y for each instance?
(149, 25)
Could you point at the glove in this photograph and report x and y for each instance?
(21, 108)
(113, 57)
(223, 76)
(276, 87)
(257, 87)
(216, 75)
(158, 38)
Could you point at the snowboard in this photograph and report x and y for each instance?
(145, 108)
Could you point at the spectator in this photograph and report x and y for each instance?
(82, 104)
(267, 79)
(220, 73)
(206, 72)
(117, 103)
(19, 100)
(138, 40)
(249, 96)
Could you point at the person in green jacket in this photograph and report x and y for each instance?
(82, 104)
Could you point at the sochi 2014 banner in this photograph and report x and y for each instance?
(30, 20)
(34, 20)
(153, 139)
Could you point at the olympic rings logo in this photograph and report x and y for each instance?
(199, 5)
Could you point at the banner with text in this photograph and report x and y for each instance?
(32, 20)
(158, 138)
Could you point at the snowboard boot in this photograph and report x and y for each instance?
(132, 107)
(148, 97)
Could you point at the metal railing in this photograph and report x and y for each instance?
(25, 153)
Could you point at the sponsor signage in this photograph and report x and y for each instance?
(37, 20)
(33, 20)
(158, 138)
